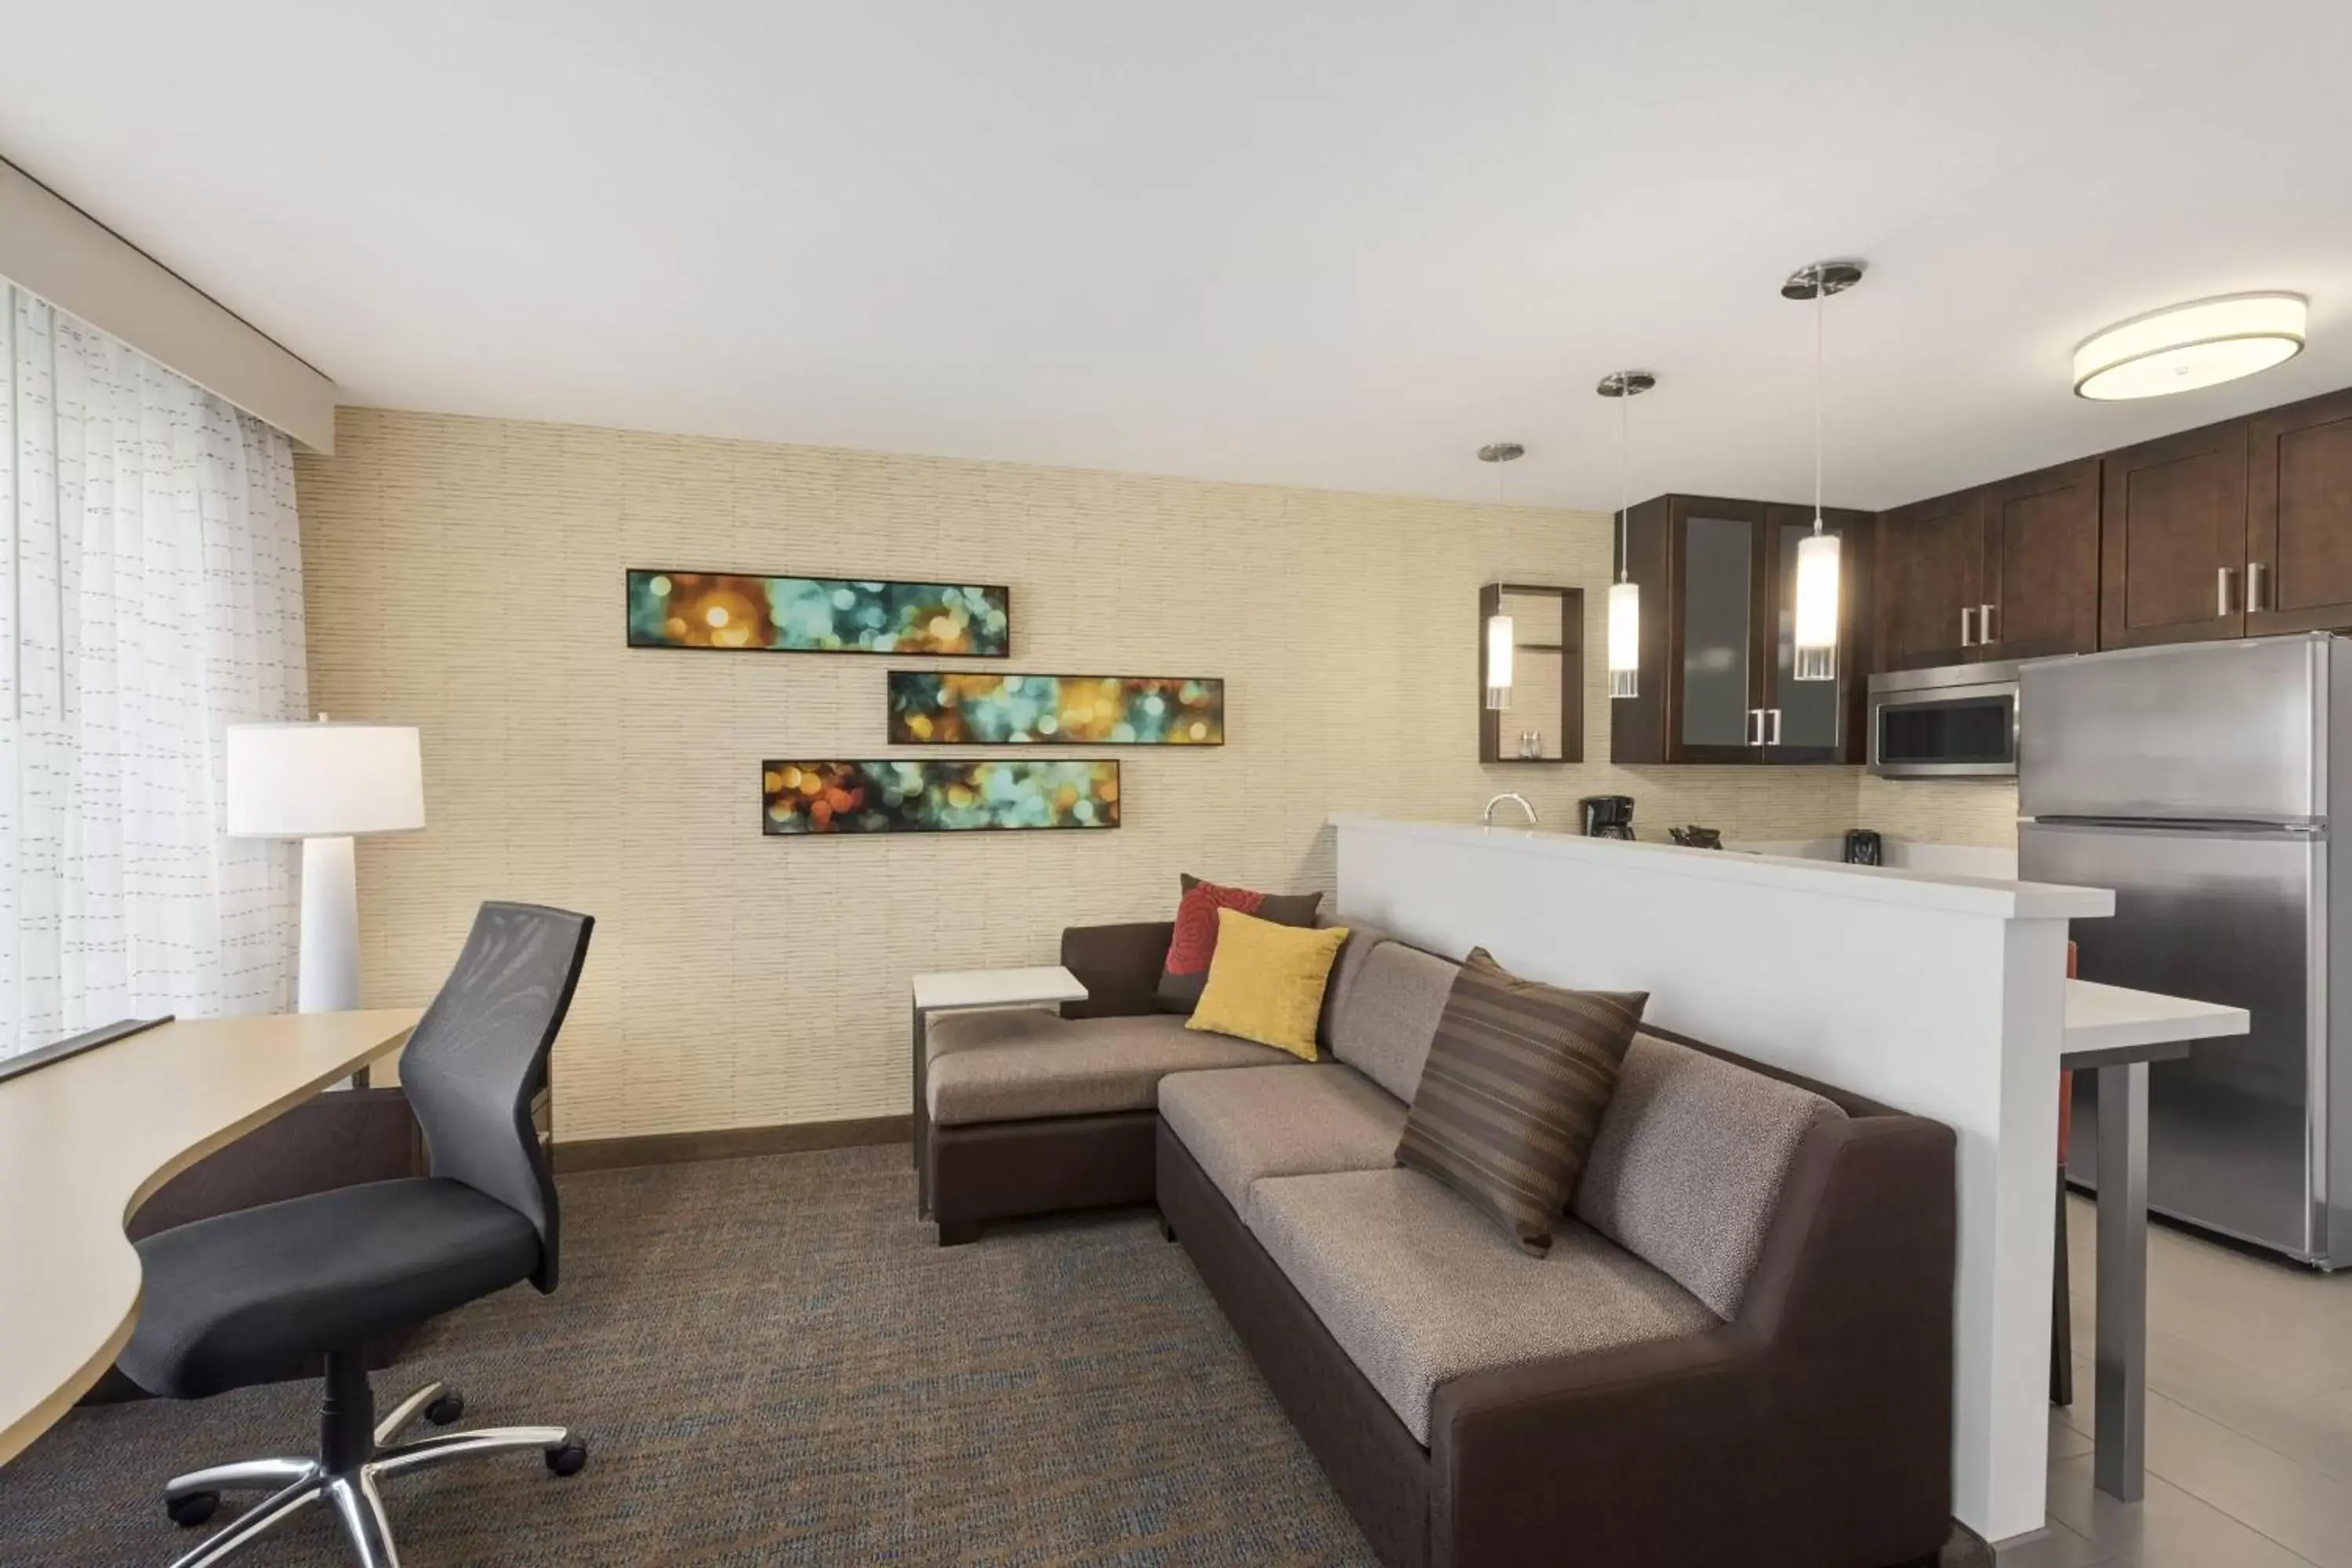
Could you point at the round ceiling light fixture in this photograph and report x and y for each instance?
(2184, 347)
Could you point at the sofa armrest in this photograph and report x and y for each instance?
(1821, 1416)
(1118, 964)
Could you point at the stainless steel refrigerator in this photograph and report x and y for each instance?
(2200, 782)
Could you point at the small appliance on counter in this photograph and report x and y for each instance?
(1865, 848)
(1606, 816)
(1696, 838)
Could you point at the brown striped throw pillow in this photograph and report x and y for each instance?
(1517, 1078)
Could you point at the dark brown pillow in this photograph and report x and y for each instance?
(1517, 1078)
(1186, 968)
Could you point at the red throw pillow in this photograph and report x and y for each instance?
(1186, 969)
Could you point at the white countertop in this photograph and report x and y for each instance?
(1880, 884)
(997, 988)
(2101, 1017)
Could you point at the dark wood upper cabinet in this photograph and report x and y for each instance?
(2041, 564)
(2172, 539)
(1717, 685)
(1931, 584)
(2299, 517)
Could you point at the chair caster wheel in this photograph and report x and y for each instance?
(569, 1458)
(446, 1410)
(193, 1510)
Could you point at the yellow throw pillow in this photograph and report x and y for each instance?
(1266, 982)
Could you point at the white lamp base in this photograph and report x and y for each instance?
(330, 975)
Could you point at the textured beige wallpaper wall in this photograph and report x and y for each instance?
(466, 575)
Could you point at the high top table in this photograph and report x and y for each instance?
(2115, 1033)
(85, 1140)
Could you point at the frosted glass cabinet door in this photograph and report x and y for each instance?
(1719, 603)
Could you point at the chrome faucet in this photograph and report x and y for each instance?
(1488, 816)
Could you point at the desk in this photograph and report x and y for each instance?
(82, 1144)
(2116, 1033)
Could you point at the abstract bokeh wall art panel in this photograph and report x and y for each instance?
(817, 614)
(957, 707)
(927, 796)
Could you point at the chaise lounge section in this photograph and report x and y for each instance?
(1738, 1349)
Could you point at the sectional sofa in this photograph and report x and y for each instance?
(1738, 1350)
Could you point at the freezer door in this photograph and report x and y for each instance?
(2229, 731)
(2234, 917)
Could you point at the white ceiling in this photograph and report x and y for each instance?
(1320, 243)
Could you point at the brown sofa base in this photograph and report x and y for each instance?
(1002, 1170)
(1372, 1462)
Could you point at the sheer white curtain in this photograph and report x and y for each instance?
(151, 593)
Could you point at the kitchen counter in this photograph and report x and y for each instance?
(2111, 1017)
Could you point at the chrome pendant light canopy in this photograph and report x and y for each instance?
(1624, 595)
(1818, 566)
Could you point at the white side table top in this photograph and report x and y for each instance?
(997, 988)
(2103, 1017)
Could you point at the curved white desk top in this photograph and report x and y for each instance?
(84, 1142)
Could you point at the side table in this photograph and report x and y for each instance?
(973, 990)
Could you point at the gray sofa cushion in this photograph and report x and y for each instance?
(1384, 1020)
(1361, 939)
(1419, 1286)
(1019, 1066)
(1687, 1166)
(1241, 1126)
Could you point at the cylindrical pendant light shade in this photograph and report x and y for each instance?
(1817, 608)
(1624, 639)
(1502, 638)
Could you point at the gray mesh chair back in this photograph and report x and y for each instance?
(478, 1054)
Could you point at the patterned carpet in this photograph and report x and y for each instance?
(773, 1363)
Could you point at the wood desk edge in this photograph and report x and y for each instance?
(45, 1413)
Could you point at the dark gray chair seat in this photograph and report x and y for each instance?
(241, 1298)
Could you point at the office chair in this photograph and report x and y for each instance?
(238, 1298)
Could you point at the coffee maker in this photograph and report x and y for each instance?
(1606, 816)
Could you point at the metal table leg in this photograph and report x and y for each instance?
(2119, 1463)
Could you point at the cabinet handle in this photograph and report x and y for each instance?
(1776, 727)
(1984, 625)
(2256, 597)
(2222, 576)
(1967, 636)
(1756, 726)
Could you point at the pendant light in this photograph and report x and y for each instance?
(1625, 594)
(1818, 564)
(1502, 637)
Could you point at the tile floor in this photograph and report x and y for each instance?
(2249, 1418)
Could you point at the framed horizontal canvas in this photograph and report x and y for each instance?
(926, 797)
(817, 614)
(959, 707)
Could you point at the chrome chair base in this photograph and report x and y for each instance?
(351, 1490)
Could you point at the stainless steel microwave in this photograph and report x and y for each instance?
(1959, 721)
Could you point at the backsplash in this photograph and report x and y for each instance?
(1939, 811)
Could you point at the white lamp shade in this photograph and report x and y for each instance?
(1624, 639)
(1817, 608)
(1502, 640)
(323, 781)
(2190, 346)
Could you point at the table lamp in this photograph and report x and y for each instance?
(323, 783)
